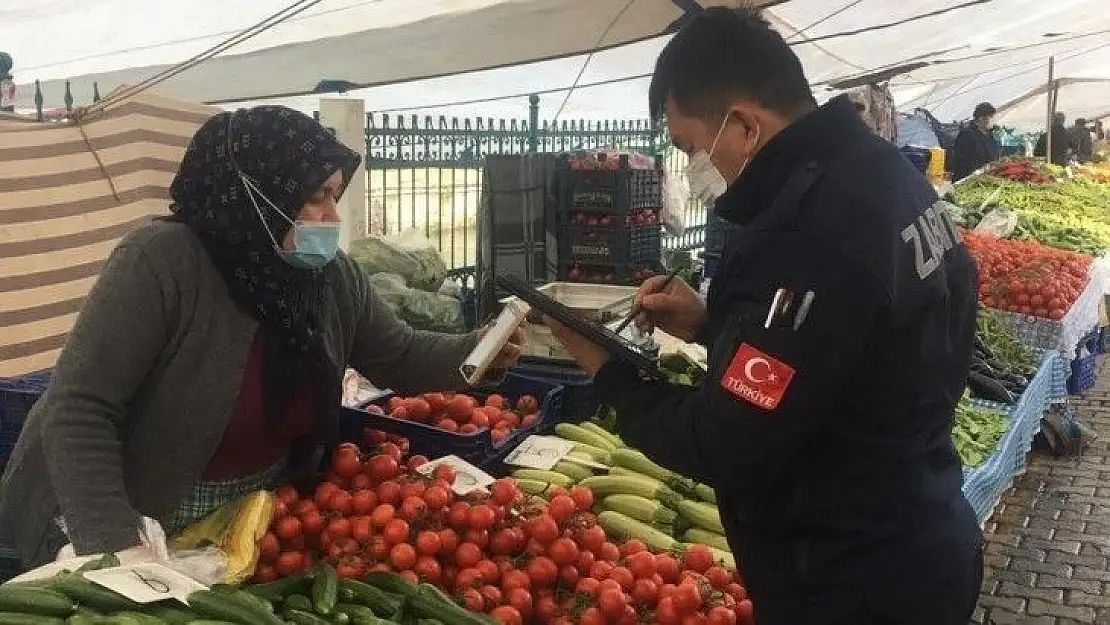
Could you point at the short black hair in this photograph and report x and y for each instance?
(725, 53)
(985, 109)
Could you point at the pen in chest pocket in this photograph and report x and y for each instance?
(783, 304)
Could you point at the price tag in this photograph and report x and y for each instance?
(539, 452)
(146, 582)
(467, 476)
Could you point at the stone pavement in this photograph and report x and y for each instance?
(1048, 543)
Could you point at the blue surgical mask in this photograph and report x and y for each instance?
(315, 243)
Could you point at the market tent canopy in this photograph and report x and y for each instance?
(1088, 98)
(357, 43)
(62, 212)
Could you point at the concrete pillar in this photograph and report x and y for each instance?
(347, 117)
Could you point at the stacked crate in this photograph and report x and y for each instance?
(608, 217)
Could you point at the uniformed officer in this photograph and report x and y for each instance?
(839, 329)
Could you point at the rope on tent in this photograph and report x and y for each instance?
(273, 20)
(590, 56)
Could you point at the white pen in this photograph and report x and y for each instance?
(776, 303)
(803, 309)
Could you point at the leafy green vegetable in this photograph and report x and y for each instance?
(1004, 344)
(977, 432)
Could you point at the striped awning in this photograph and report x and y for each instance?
(68, 192)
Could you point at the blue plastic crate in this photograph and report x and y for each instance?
(1082, 374)
(1093, 342)
(580, 398)
(476, 448)
(17, 397)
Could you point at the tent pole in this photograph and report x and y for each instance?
(1050, 100)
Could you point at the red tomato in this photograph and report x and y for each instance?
(609, 552)
(569, 575)
(544, 529)
(546, 610)
(520, 599)
(622, 576)
(437, 497)
(687, 598)
(339, 527)
(469, 578)
(515, 578)
(382, 467)
(382, 515)
(720, 615)
(666, 613)
(667, 567)
(642, 564)
(527, 404)
(718, 577)
(583, 498)
(346, 464)
(473, 600)
(396, 531)
(402, 556)
(264, 573)
(592, 538)
(269, 547)
(507, 541)
(364, 502)
(428, 569)
(290, 563)
(564, 551)
(459, 514)
(587, 586)
(495, 401)
(504, 491)
(287, 495)
(467, 555)
(389, 492)
(632, 546)
(611, 603)
(489, 570)
(645, 591)
(543, 571)
(481, 517)
(507, 615)
(561, 507)
(428, 543)
(698, 558)
(414, 508)
(449, 540)
(340, 502)
(362, 529)
(492, 595)
(288, 528)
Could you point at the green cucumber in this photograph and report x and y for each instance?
(431, 603)
(16, 618)
(325, 589)
(171, 612)
(383, 603)
(300, 617)
(90, 595)
(222, 607)
(142, 619)
(206, 621)
(279, 589)
(392, 582)
(298, 602)
(35, 601)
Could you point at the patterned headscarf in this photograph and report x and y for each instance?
(288, 156)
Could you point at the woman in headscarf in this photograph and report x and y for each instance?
(207, 360)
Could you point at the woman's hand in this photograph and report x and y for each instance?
(510, 352)
(589, 355)
(676, 310)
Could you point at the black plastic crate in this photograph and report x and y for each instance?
(615, 190)
(17, 396)
(639, 246)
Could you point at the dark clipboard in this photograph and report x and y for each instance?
(610, 341)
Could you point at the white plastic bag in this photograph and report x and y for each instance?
(675, 193)
(408, 254)
(999, 222)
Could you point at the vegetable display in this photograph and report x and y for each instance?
(1026, 277)
(977, 432)
(1021, 169)
(1001, 367)
(380, 538)
(1070, 214)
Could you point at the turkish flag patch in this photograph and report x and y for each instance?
(757, 378)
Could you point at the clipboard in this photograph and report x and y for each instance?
(610, 341)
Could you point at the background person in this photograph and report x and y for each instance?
(975, 145)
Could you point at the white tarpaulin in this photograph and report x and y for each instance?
(1075, 97)
(971, 51)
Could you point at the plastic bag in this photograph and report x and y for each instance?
(408, 254)
(422, 310)
(233, 530)
(675, 192)
(999, 222)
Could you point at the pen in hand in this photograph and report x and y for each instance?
(637, 309)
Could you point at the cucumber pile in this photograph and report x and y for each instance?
(634, 497)
(317, 597)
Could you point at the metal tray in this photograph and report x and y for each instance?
(602, 303)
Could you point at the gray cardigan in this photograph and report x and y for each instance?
(147, 382)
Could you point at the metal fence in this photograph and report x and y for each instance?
(426, 172)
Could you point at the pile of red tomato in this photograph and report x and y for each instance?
(462, 413)
(519, 558)
(1026, 277)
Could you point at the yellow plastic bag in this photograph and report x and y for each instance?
(235, 529)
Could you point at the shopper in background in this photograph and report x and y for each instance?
(840, 329)
(975, 145)
(1081, 141)
(1061, 141)
(207, 360)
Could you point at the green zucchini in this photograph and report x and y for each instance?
(621, 527)
(340, 618)
(35, 601)
(205, 621)
(325, 589)
(16, 618)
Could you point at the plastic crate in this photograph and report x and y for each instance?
(476, 448)
(614, 191)
(1093, 342)
(17, 397)
(1082, 374)
(580, 399)
(10, 565)
(1104, 338)
(618, 245)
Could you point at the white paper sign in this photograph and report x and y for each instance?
(539, 452)
(146, 582)
(467, 476)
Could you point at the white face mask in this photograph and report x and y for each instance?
(705, 180)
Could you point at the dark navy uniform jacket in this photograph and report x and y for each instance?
(828, 444)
